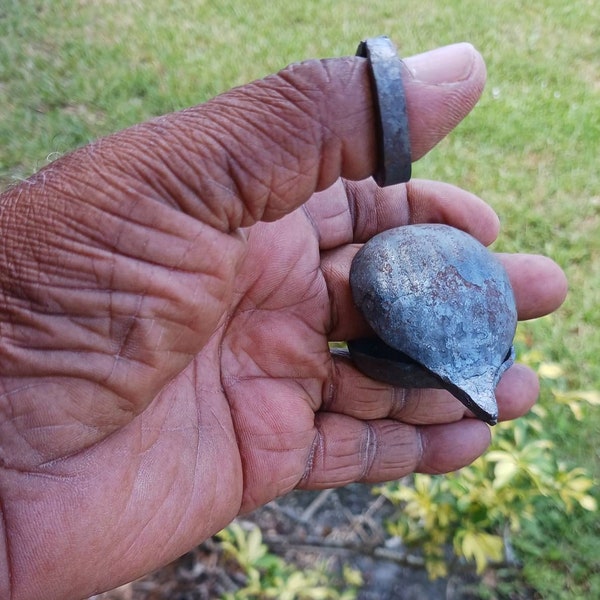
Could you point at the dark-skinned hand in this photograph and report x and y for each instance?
(167, 295)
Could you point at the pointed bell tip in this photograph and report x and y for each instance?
(481, 402)
(491, 418)
(485, 407)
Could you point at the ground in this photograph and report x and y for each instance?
(341, 527)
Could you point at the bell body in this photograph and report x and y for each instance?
(442, 300)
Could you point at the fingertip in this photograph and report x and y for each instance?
(452, 446)
(444, 86)
(560, 281)
(539, 284)
(438, 202)
(450, 64)
(517, 392)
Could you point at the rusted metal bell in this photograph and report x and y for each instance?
(443, 309)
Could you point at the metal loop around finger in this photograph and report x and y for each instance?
(394, 158)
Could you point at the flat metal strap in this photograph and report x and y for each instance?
(394, 158)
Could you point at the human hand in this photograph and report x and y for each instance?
(168, 295)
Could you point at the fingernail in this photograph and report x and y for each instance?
(450, 64)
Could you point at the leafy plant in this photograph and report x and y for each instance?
(477, 510)
(267, 575)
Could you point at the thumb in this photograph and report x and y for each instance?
(261, 150)
(116, 264)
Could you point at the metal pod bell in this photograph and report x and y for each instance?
(443, 309)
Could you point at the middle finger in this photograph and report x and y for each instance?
(363, 398)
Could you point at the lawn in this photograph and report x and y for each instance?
(72, 70)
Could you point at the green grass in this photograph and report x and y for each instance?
(73, 70)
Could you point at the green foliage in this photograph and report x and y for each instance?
(506, 495)
(267, 575)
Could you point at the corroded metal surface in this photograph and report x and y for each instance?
(442, 305)
(394, 159)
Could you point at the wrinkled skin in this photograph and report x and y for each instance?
(167, 298)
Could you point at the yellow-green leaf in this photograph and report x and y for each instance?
(549, 370)
(352, 576)
(482, 548)
(590, 396)
(504, 471)
(588, 503)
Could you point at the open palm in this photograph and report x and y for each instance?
(168, 303)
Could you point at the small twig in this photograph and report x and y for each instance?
(403, 558)
(287, 512)
(227, 582)
(312, 544)
(314, 506)
(375, 505)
